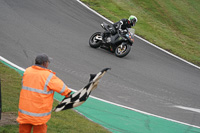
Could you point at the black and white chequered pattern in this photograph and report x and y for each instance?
(79, 97)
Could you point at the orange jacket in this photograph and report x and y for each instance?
(36, 96)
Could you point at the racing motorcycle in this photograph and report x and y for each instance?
(119, 43)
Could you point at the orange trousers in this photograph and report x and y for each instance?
(26, 128)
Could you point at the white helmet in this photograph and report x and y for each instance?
(132, 19)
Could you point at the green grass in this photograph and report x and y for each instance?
(173, 25)
(68, 121)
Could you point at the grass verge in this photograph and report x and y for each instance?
(171, 25)
(62, 122)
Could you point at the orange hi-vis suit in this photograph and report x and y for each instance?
(36, 96)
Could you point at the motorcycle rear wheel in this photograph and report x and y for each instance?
(93, 42)
(122, 50)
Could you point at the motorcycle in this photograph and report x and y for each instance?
(119, 43)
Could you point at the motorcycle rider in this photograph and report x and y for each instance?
(121, 25)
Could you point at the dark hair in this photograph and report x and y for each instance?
(41, 58)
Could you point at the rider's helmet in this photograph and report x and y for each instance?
(132, 19)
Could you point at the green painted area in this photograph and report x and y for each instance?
(118, 119)
(19, 71)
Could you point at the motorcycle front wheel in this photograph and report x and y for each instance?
(94, 42)
(122, 50)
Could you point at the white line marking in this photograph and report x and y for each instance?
(12, 64)
(20, 68)
(188, 108)
(146, 113)
(141, 37)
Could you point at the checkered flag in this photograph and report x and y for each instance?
(80, 96)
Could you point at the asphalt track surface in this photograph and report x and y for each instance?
(147, 79)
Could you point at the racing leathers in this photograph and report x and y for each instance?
(121, 25)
